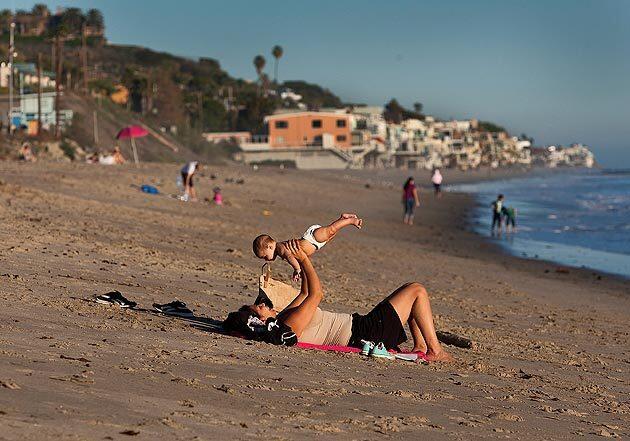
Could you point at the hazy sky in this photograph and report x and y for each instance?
(556, 70)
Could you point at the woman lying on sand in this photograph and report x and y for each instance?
(302, 320)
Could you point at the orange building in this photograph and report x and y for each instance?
(306, 129)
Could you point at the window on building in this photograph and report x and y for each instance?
(316, 123)
(317, 140)
(341, 123)
(341, 138)
(282, 124)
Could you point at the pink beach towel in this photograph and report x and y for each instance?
(335, 348)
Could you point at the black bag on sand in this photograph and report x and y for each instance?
(251, 327)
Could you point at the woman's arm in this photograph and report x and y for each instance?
(415, 196)
(297, 301)
(299, 317)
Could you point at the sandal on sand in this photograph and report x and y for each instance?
(176, 308)
(115, 298)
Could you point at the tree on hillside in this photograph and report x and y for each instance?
(40, 10)
(487, 126)
(524, 137)
(417, 107)
(94, 18)
(393, 112)
(5, 16)
(259, 64)
(277, 52)
(69, 23)
(313, 95)
(253, 111)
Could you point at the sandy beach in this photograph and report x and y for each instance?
(551, 356)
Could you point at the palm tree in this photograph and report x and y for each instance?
(259, 64)
(40, 10)
(277, 54)
(94, 18)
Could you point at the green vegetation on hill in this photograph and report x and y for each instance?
(313, 96)
(487, 126)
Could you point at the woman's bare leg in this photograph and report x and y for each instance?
(418, 340)
(411, 302)
(327, 233)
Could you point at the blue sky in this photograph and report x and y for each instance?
(556, 70)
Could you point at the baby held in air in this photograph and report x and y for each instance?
(315, 237)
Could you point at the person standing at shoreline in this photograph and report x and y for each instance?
(436, 179)
(509, 214)
(410, 200)
(497, 210)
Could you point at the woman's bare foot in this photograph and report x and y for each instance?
(442, 356)
(419, 349)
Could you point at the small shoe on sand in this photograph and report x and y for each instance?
(379, 351)
(115, 298)
(368, 347)
(176, 308)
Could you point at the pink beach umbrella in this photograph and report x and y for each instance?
(133, 132)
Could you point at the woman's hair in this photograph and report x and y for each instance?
(407, 182)
(246, 323)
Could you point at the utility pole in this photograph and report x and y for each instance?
(11, 53)
(200, 105)
(39, 93)
(150, 90)
(58, 87)
(53, 58)
(95, 128)
(84, 59)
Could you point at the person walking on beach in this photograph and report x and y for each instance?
(188, 171)
(497, 210)
(436, 179)
(410, 200)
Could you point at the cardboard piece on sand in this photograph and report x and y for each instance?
(278, 293)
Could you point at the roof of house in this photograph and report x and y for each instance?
(306, 113)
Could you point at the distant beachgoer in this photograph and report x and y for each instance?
(188, 171)
(497, 210)
(410, 200)
(26, 153)
(303, 320)
(509, 214)
(119, 159)
(315, 237)
(106, 160)
(92, 158)
(218, 197)
(436, 179)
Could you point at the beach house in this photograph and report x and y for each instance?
(309, 129)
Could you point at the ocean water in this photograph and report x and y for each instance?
(579, 219)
